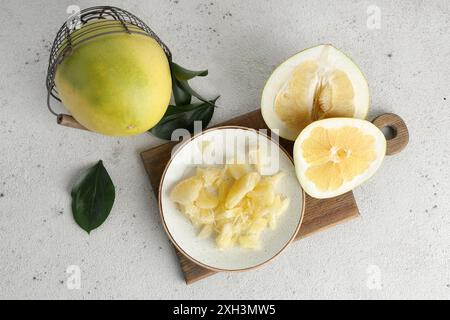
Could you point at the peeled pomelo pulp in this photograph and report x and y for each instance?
(317, 83)
(117, 84)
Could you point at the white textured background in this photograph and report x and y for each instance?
(405, 226)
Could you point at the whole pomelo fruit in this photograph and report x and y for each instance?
(117, 84)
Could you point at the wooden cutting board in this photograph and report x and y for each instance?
(319, 214)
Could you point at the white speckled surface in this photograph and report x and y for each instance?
(402, 239)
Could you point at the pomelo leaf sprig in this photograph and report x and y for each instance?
(93, 198)
(184, 113)
(183, 74)
(183, 117)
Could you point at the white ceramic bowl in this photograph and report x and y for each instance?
(183, 234)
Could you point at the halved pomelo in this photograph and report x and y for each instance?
(316, 83)
(333, 156)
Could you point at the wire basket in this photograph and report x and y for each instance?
(103, 20)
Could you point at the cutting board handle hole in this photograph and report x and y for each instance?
(389, 132)
(395, 131)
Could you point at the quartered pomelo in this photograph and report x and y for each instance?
(333, 156)
(317, 83)
(115, 84)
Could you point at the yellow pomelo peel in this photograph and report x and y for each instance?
(117, 84)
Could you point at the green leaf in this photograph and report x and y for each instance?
(93, 198)
(183, 74)
(180, 96)
(177, 109)
(183, 117)
(187, 88)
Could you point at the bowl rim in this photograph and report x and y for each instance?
(161, 212)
